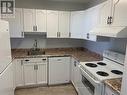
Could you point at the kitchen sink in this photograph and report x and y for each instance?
(35, 52)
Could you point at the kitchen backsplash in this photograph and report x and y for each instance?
(118, 45)
(43, 42)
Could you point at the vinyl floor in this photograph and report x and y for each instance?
(67, 89)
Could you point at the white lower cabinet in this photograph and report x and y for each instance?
(75, 74)
(108, 91)
(29, 74)
(19, 78)
(30, 71)
(59, 70)
(42, 74)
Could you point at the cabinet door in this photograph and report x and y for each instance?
(42, 73)
(29, 74)
(77, 24)
(16, 24)
(52, 24)
(105, 12)
(119, 13)
(19, 79)
(41, 20)
(29, 20)
(64, 24)
(91, 21)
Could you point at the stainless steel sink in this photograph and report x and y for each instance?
(35, 52)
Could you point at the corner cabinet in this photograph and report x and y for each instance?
(75, 74)
(16, 24)
(34, 20)
(77, 24)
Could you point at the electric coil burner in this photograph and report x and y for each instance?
(91, 65)
(101, 73)
(117, 72)
(101, 63)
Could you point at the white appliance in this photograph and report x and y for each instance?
(94, 73)
(59, 70)
(5, 49)
(6, 67)
(124, 79)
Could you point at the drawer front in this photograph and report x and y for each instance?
(35, 60)
(59, 59)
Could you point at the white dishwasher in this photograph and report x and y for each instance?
(59, 70)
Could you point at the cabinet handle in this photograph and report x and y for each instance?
(59, 34)
(36, 67)
(21, 62)
(75, 64)
(22, 34)
(69, 34)
(88, 35)
(33, 28)
(27, 60)
(44, 59)
(36, 28)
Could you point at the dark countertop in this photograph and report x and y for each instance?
(114, 84)
(80, 54)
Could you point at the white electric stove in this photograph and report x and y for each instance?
(95, 72)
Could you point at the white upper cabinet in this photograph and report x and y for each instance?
(52, 24)
(16, 24)
(64, 24)
(112, 13)
(77, 24)
(119, 13)
(29, 20)
(41, 20)
(91, 21)
(105, 12)
(34, 20)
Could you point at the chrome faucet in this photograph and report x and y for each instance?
(35, 45)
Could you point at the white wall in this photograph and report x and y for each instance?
(118, 45)
(28, 41)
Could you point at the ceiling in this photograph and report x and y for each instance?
(76, 1)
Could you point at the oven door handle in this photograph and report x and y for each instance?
(88, 76)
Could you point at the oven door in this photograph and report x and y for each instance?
(90, 85)
(85, 88)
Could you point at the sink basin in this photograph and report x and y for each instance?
(35, 52)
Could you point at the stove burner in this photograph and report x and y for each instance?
(91, 65)
(117, 72)
(101, 63)
(101, 73)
